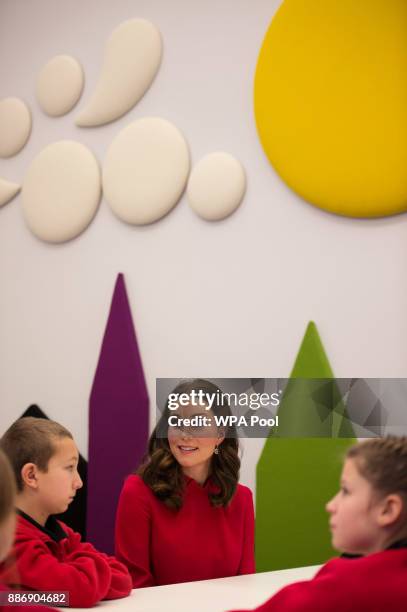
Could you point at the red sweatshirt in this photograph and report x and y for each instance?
(53, 558)
(375, 583)
(197, 542)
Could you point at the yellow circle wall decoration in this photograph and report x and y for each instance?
(330, 101)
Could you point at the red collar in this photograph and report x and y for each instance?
(209, 486)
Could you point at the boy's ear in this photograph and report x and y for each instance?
(391, 509)
(29, 475)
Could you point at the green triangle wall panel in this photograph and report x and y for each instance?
(297, 474)
(311, 361)
(294, 482)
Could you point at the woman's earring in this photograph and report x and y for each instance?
(216, 451)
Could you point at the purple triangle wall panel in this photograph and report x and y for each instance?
(118, 419)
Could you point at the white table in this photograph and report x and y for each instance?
(218, 595)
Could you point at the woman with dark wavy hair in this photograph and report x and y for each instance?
(183, 516)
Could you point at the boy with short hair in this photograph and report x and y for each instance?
(50, 555)
(7, 526)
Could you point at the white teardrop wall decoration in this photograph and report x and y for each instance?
(7, 191)
(59, 85)
(61, 191)
(147, 164)
(216, 186)
(15, 126)
(132, 58)
(145, 170)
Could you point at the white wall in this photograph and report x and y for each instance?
(230, 299)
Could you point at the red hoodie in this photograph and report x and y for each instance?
(53, 558)
(375, 583)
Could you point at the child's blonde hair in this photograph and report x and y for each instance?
(7, 488)
(383, 462)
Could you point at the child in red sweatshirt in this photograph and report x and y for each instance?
(368, 521)
(7, 526)
(49, 555)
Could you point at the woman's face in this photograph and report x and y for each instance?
(193, 443)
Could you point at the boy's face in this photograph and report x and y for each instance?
(58, 485)
(354, 514)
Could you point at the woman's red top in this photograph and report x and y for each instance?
(198, 542)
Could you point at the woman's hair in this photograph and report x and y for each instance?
(383, 462)
(7, 488)
(162, 472)
(31, 440)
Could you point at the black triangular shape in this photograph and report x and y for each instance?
(34, 411)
